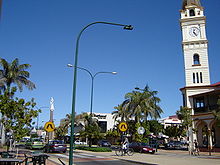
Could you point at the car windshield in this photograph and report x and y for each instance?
(36, 140)
(144, 144)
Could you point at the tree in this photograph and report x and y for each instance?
(143, 104)
(17, 114)
(216, 113)
(121, 112)
(13, 73)
(184, 114)
(92, 129)
(155, 127)
(60, 132)
(174, 131)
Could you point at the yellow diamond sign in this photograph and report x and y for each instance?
(49, 126)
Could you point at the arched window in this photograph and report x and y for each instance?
(192, 12)
(196, 59)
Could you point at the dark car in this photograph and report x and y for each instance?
(104, 143)
(142, 147)
(55, 146)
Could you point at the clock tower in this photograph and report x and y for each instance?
(194, 44)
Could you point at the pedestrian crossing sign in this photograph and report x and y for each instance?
(123, 126)
(49, 126)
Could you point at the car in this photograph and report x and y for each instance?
(34, 143)
(142, 147)
(104, 143)
(78, 142)
(55, 146)
(175, 145)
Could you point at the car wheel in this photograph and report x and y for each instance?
(64, 151)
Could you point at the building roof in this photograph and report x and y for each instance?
(204, 86)
(191, 2)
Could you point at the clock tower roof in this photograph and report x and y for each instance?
(191, 2)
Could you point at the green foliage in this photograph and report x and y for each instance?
(112, 133)
(216, 113)
(155, 127)
(139, 105)
(92, 130)
(137, 136)
(60, 132)
(14, 73)
(94, 149)
(17, 114)
(143, 104)
(184, 114)
(174, 131)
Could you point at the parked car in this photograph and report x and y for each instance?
(55, 146)
(78, 142)
(104, 143)
(142, 147)
(34, 143)
(175, 145)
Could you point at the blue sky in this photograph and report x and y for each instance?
(43, 33)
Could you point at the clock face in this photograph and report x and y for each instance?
(194, 31)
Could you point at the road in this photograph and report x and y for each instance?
(85, 159)
(162, 157)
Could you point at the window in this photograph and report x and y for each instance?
(194, 78)
(201, 77)
(197, 77)
(199, 102)
(192, 12)
(103, 126)
(196, 59)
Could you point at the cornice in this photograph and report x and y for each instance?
(192, 19)
(194, 42)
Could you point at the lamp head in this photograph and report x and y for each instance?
(69, 65)
(128, 27)
(114, 72)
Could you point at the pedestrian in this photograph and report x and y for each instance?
(196, 147)
(125, 145)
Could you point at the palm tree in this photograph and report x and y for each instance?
(121, 112)
(144, 104)
(13, 73)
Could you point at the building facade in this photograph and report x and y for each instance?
(198, 94)
(170, 121)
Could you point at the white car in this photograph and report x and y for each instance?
(80, 143)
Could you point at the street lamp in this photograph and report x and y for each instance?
(92, 84)
(39, 114)
(126, 27)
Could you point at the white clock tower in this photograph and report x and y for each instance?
(194, 44)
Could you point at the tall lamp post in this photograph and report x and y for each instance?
(92, 84)
(39, 115)
(126, 27)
